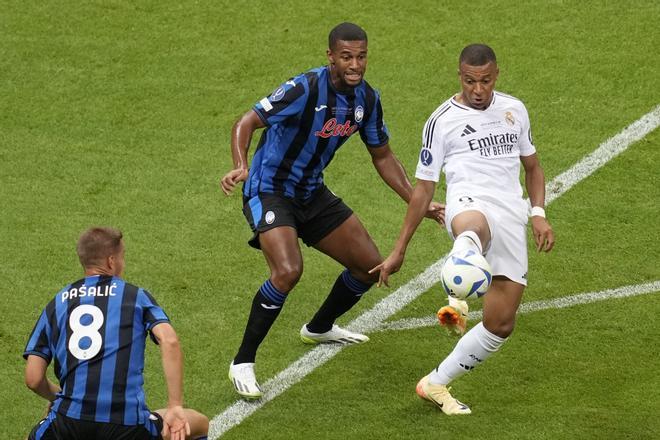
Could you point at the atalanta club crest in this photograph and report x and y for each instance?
(359, 113)
(425, 157)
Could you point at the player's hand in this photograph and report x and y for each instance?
(436, 212)
(175, 425)
(543, 234)
(232, 178)
(391, 265)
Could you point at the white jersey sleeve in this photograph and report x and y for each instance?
(432, 154)
(525, 142)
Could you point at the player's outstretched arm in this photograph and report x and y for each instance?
(417, 208)
(392, 172)
(241, 136)
(175, 423)
(535, 184)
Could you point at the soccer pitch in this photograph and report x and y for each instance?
(120, 114)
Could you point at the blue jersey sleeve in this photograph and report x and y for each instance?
(287, 101)
(152, 313)
(39, 341)
(374, 132)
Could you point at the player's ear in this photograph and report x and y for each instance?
(331, 57)
(111, 262)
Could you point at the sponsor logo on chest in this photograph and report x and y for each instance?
(494, 144)
(333, 128)
(497, 142)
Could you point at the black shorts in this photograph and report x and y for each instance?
(314, 218)
(59, 427)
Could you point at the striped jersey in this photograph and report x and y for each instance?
(95, 330)
(307, 120)
(479, 150)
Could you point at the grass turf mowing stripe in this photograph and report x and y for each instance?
(373, 319)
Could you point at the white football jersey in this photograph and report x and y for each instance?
(479, 150)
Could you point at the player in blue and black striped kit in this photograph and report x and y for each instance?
(95, 330)
(306, 120)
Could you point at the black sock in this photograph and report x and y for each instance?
(346, 292)
(266, 306)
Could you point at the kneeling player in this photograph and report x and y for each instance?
(95, 329)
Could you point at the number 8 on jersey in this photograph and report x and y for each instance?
(85, 332)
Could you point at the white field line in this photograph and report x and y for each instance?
(557, 303)
(388, 306)
(607, 151)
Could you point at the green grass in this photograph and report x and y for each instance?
(580, 372)
(120, 113)
(563, 375)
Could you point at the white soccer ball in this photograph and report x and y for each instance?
(466, 273)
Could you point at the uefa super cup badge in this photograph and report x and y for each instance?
(508, 117)
(359, 113)
(277, 94)
(426, 157)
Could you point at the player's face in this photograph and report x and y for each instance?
(348, 63)
(478, 83)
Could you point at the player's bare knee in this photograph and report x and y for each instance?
(286, 277)
(503, 329)
(361, 272)
(364, 275)
(471, 221)
(199, 425)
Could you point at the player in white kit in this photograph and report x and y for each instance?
(479, 137)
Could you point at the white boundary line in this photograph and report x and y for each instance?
(557, 303)
(372, 319)
(607, 151)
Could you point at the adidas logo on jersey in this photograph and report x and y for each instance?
(468, 130)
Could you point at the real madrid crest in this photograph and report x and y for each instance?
(359, 113)
(508, 117)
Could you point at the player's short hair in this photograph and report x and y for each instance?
(98, 243)
(477, 55)
(346, 32)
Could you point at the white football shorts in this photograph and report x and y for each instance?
(507, 220)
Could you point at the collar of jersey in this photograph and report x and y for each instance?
(465, 107)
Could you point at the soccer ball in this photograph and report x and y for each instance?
(466, 273)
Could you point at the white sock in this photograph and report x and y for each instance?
(467, 240)
(471, 350)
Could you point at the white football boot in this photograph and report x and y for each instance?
(335, 335)
(439, 395)
(244, 381)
